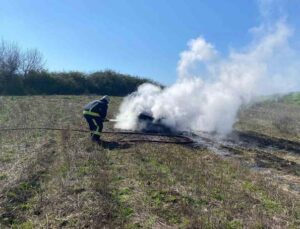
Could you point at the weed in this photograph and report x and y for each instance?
(122, 195)
(126, 212)
(25, 225)
(3, 176)
(235, 224)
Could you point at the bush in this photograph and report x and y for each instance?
(72, 83)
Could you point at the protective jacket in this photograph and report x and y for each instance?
(96, 108)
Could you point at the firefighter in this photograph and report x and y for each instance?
(95, 114)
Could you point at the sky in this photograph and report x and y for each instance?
(137, 37)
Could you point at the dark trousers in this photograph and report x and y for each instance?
(95, 125)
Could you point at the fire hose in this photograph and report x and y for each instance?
(186, 140)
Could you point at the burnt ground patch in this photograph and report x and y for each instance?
(267, 160)
(260, 140)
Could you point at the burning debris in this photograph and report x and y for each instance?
(146, 123)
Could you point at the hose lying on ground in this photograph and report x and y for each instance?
(186, 139)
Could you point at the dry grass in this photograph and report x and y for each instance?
(277, 119)
(62, 180)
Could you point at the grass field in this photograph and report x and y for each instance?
(59, 179)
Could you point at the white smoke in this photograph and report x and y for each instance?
(199, 50)
(208, 98)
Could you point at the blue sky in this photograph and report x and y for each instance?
(139, 37)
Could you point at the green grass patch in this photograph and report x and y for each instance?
(235, 224)
(25, 225)
(268, 203)
(122, 195)
(3, 176)
(292, 98)
(126, 212)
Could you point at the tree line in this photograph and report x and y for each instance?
(23, 72)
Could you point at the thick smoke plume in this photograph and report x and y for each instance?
(210, 89)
